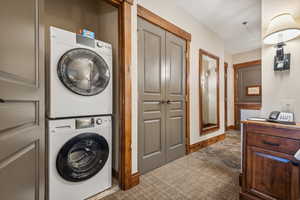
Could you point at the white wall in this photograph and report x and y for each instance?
(230, 90)
(231, 60)
(279, 88)
(203, 38)
(247, 56)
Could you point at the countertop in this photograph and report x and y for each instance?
(272, 124)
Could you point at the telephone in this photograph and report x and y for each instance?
(282, 117)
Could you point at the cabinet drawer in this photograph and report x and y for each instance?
(274, 143)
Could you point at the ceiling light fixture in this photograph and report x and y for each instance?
(245, 24)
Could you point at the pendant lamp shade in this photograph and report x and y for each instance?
(281, 29)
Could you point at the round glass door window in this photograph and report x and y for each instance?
(82, 157)
(83, 72)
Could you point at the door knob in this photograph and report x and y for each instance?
(168, 102)
(2, 101)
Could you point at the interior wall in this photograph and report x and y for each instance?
(108, 32)
(230, 90)
(231, 60)
(99, 17)
(203, 38)
(247, 56)
(280, 88)
(72, 15)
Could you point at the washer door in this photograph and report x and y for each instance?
(83, 71)
(82, 157)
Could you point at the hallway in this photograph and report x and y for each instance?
(209, 174)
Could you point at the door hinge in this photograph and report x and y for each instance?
(186, 98)
(186, 55)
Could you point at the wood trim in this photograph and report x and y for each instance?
(204, 52)
(249, 106)
(129, 1)
(125, 95)
(135, 179)
(245, 196)
(159, 21)
(187, 103)
(235, 83)
(116, 3)
(124, 12)
(247, 64)
(231, 127)
(119, 2)
(217, 127)
(225, 95)
(200, 145)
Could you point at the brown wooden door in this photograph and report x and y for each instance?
(161, 115)
(22, 143)
(272, 175)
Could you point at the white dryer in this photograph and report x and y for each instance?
(79, 164)
(80, 82)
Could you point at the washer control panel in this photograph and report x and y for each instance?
(92, 122)
(99, 121)
(84, 123)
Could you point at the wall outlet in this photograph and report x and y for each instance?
(287, 105)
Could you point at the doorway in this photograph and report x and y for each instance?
(246, 76)
(162, 96)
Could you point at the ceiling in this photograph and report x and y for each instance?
(225, 17)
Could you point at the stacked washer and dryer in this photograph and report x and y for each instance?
(79, 116)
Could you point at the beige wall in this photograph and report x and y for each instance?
(201, 38)
(230, 90)
(247, 56)
(231, 60)
(280, 88)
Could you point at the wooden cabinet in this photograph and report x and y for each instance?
(270, 171)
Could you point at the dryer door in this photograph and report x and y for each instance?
(83, 71)
(82, 157)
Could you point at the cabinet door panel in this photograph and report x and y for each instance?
(270, 174)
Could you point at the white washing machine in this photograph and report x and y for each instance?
(79, 153)
(80, 82)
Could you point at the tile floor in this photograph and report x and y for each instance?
(209, 174)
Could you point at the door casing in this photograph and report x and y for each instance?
(225, 96)
(236, 67)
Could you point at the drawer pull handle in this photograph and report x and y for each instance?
(271, 143)
(2, 101)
